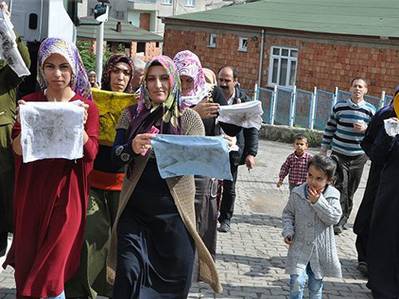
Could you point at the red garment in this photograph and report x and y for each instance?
(50, 207)
(296, 167)
(106, 180)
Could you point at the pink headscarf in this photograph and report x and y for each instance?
(188, 64)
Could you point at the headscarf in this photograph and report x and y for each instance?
(188, 64)
(79, 81)
(148, 113)
(112, 62)
(210, 76)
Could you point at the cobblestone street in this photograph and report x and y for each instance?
(251, 257)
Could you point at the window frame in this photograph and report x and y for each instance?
(240, 44)
(167, 2)
(280, 56)
(212, 37)
(191, 4)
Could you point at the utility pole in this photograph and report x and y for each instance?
(101, 15)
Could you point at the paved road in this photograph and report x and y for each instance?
(251, 257)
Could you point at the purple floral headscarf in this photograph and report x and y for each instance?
(188, 64)
(112, 61)
(79, 82)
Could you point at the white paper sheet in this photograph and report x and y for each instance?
(246, 115)
(51, 130)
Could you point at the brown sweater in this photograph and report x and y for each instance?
(182, 189)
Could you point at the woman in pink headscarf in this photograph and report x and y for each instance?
(205, 99)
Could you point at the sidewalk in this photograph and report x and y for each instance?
(251, 257)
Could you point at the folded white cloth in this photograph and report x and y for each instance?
(391, 126)
(51, 130)
(8, 47)
(246, 115)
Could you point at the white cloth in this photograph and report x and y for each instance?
(391, 127)
(246, 115)
(51, 130)
(189, 101)
(8, 47)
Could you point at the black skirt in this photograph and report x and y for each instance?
(155, 250)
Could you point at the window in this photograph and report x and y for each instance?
(167, 2)
(243, 44)
(140, 47)
(212, 40)
(282, 68)
(190, 3)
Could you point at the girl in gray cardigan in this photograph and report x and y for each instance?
(308, 218)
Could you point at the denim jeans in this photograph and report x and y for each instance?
(60, 296)
(297, 285)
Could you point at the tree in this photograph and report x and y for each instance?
(88, 56)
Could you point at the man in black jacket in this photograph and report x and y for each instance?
(247, 142)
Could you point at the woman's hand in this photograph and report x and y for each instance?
(20, 102)
(142, 143)
(207, 109)
(86, 114)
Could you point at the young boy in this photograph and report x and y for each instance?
(296, 164)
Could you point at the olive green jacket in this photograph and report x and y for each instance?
(182, 189)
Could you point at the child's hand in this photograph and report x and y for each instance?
(288, 240)
(313, 195)
(279, 183)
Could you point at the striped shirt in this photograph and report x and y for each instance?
(339, 134)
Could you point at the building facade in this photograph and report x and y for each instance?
(289, 55)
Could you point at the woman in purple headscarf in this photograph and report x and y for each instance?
(204, 98)
(51, 194)
(154, 238)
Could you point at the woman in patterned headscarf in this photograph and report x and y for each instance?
(205, 99)
(105, 186)
(154, 237)
(51, 194)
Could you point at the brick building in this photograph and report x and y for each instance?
(288, 42)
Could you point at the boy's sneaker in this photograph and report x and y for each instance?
(224, 226)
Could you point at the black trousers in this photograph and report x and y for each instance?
(228, 196)
(349, 173)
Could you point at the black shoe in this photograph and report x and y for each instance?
(362, 267)
(338, 229)
(224, 227)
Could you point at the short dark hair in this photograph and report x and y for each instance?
(325, 164)
(300, 137)
(359, 78)
(234, 70)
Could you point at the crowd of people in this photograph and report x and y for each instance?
(108, 224)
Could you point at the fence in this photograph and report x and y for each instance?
(302, 108)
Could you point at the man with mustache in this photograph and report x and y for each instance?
(247, 142)
(343, 134)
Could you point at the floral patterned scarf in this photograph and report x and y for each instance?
(79, 82)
